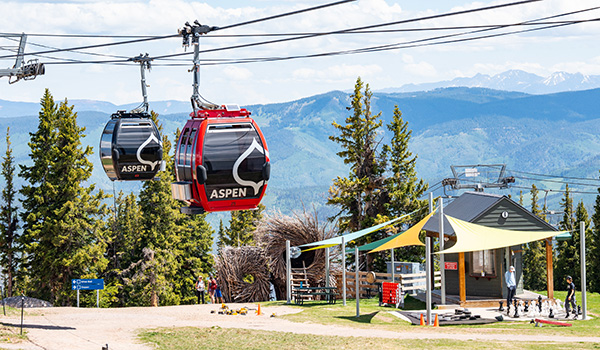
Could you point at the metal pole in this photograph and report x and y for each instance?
(77, 297)
(428, 274)
(288, 269)
(583, 272)
(442, 267)
(326, 267)
(98, 298)
(344, 270)
(356, 283)
(22, 306)
(393, 267)
(3, 302)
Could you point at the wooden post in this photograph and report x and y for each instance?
(461, 278)
(549, 269)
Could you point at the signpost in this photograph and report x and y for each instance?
(88, 284)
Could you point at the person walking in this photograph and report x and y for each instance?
(511, 284)
(570, 301)
(200, 289)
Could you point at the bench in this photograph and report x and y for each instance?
(302, 293)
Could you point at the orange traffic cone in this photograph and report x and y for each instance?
(436, 323)
(422, 323)
(258, 313)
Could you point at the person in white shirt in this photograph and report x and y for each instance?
(511, 284)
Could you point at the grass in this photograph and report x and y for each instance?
(221, 338)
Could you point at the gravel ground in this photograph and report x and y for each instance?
(89, 328)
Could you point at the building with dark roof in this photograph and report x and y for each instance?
(482, 272)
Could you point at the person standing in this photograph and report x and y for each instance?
(218, 294)
(212, 285)
(200, 289)
(570, 301)
(511, 284)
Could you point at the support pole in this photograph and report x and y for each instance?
(288, 272)
(583, 272)
(77, 297)
(428, 274)
(98, 298)
(344, 270)
(393, 267)
(549, 269)
(357, 282)
(442, 267)
(326, 267)
(462, 278)
(23, 306)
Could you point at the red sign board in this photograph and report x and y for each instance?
(451, 265)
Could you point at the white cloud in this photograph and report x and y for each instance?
(336, 73)
(422, 69)
(237, 73)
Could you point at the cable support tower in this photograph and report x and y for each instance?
(22, 70)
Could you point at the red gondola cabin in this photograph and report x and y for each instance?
(222, 161)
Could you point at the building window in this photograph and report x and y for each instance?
(483, 263)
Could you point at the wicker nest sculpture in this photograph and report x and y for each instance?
(243, 274)
(271, 234)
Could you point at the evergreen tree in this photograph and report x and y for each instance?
(171, 249)
(565, 249)
(361, 196)
(534, 254)
(9, 223)
(572, 258)
(593, 258)
(62, 220)
(403, 186)
(221, 236)
(242, 225)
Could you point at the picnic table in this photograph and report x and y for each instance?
(302, 293)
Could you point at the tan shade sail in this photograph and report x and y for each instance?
(472, 237)
(409, 237)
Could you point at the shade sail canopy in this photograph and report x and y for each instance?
(472, 237)
(354, 235)
(406, 238)
(370, 246)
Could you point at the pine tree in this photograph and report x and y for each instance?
(360, 197)
(534, 254)
(403, 186)
(63, 233)
(593, 258)
(565, 249)
(9, 223)
(572, 257)
(242, 225)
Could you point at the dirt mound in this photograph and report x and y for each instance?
(27, 302)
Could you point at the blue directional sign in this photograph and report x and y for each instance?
(87, 284)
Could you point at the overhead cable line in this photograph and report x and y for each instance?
(559, 191)
(554, 176)
(354, 29)
(177, 35)
(556, 181)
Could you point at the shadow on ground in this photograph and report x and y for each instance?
(37, 326)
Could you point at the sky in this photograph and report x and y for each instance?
(571, 48)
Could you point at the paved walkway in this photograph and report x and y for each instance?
(72, 328)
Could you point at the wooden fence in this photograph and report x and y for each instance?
(411, 282)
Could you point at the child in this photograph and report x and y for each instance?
(570, 301)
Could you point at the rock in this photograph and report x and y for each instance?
(27, 302)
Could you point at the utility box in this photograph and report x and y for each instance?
(404, 267)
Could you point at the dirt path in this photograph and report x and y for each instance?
(72, 328)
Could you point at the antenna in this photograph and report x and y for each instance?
(20, 70)
(194, 32)
(477, 177)
(144, 61)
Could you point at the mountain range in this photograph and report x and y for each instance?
(513, 80)
(556, 134)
